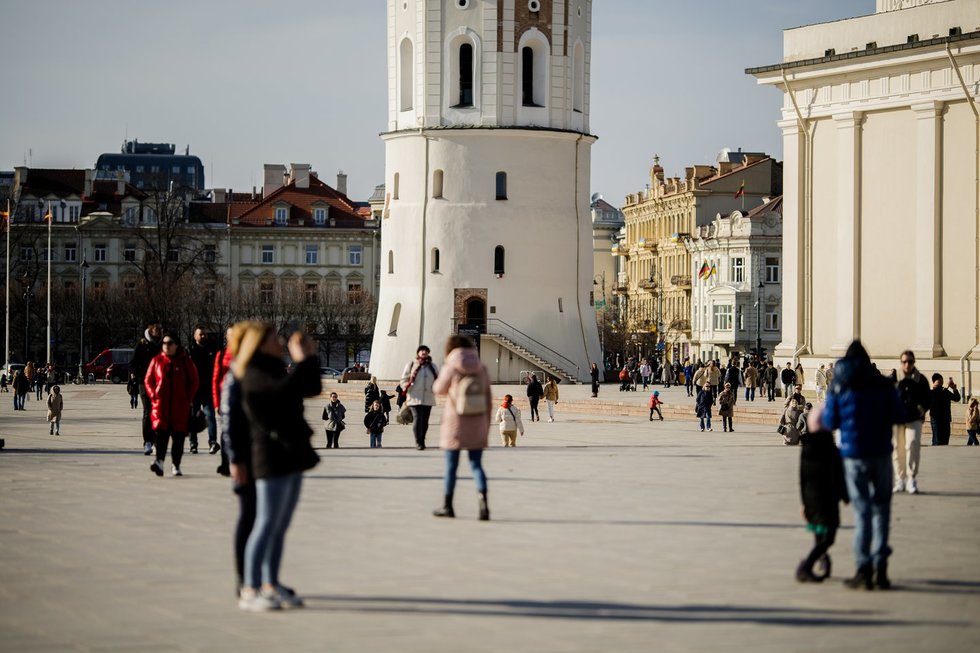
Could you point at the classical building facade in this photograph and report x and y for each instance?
(655, 283)
(880, 130)
(607, 220)
(486, 223)
(736, 283)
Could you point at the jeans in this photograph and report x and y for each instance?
(56, 426)
(869, 484)
(246, 518)
(476, 465)
(551, 409)
(750, 394)
(940, 433)
(972, 439)
(771, 391)
(275, 501)
(376, 440)
(134, 400)
(333, 439)
(787, 390)
(689, 384)
(420, 423)
(534, 407)
(706, 420)
(212, 424)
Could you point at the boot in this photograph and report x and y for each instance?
(484, 508)
(881, 577)
(805, 575)
(861, 579)
(447, 508)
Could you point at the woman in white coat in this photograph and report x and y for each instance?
(509, 419)
(417, 379)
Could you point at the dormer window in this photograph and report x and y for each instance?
(319, 216)
(282, 215)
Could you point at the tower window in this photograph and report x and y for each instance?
(395, 314)
(394, 188)
(501, 185)
(435, 259)
(406, 65)
(527, 77)
(465, 75)
(578, 78)
(498, 260)
(391, 262)
(437, 178)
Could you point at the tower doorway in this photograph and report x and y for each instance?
(476, 313)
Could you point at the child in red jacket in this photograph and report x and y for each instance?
(655, 404)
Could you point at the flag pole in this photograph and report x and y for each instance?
(50, 220)
(6, 332)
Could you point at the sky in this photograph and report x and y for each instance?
(249, 82)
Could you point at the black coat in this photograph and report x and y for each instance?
(822, 486)
(941, 400)
(203, 358)
(916, 396)
(732, 376)
(273, 402)
(535, 389)
(375, 422)
(371, 394)
(143, 353)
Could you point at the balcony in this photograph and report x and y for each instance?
(649, 245)
(681, 325)
(650, 285)
(681, 280)
(622, 282)
(620, 250)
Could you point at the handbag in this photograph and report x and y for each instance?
(198, 421)
(405, 416)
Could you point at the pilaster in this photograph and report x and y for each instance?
(794, 201)
(848, 310)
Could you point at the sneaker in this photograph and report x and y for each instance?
(252, 601)
(551, 419)
(913, 487)
(156, 468)
(194, 448)
(214, 448)
(176, 470)
(147, 448)
(710, 429)
(287, 598)
(899, 486)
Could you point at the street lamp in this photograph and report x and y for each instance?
(81, 332)
(758, 321)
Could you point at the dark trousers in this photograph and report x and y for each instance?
(821, 544)
(420, 423)
(163, 436)
(134, 400)
(333, 439)
(246, 517)
(148, 435)
(657, 410)
(534, 407)
(771, 391)
(726, 423)
(689, 384)
(940, 433)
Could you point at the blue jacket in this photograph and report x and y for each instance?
(864, 405)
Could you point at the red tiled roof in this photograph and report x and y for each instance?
(773, 205)
(301, 200)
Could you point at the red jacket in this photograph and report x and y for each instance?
(222, 363)
(170, 385)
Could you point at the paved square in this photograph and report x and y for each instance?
(608, 533)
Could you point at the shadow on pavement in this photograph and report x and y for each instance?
(114, 452)
(933, 586)
(629, 522)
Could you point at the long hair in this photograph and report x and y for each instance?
(246, 339)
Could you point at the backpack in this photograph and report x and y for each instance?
(471, 396)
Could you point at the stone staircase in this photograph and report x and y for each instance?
(531, 357)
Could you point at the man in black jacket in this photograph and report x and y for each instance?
(148, 347)
(788, 377)
(203, 356)
(534, 393)
(914, 392)
(940, 414)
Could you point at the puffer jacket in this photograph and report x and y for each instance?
(462, 431)
(864, 405)
(171, 382)
(55, 404)
(420, 393)
(509, 419)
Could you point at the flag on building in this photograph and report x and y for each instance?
(704, 272)
(741, 190)
(714, 270)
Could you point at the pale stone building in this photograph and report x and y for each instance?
(607, 220)
(880, 131)
(487, 154)
(655, 283)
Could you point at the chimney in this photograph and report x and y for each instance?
(725, 167)
(120, 182)
(253, 192)
(274, 175)
(87, 188)
(299, 174)
(342, 182)
(688, 174)
(218, 195)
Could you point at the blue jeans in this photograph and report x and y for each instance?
(869, 484)
(750, 394)
(208, 410)
(376, 440)
(275, 501)
(706, 420)
(476, 465)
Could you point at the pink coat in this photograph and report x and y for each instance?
(462, 431)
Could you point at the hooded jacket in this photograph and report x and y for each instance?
(171, 382)
(462, 431)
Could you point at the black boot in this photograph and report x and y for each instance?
(804, 574)
(881, 577)
(447, 508)
(484, 508)
(861, 580)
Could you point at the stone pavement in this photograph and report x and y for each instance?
(609, 533)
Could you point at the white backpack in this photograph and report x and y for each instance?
(471, 396)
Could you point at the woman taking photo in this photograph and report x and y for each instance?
(272, 399)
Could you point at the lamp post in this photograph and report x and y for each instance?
(81, 332)
(28, 295)
(758, 321)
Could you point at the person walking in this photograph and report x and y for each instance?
(772, 378)
(940, 413)
(751, 381)
(28, 372)
(372, 393)
(703, 404)
(594, 374)
(788, 377)
(798, 370)
(333, 414)
(20, 387)
(56, 403)
(219, 376)
(466, 419)
(551, 397)
(508, 417)
(689, 377)
(726, 407)
(272, 402)
(822, 488)
(733, 378)
(418, 379)
(645, 373)
(374, 423)
(655, 404)
(133, 390)
(972, 423)
(534, 393)
(171, 381)
(146, 349)
(913, 390)
(820, 379)
(40, 378)
(203, 356)
(864, 406)
(793, 409)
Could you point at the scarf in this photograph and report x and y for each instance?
(417, 368)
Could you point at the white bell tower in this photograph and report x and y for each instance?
(486, 221)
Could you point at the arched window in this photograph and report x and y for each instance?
(435, 259)
(395, 314)
(578, 78)
(501, 185)
(437, 177)
(498, 260)
(465, 75)
(391, 262)
(406, 66)
(527, 77)
(394, 188)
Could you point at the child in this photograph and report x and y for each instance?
(972, 423)
(55, 403)
(509, 419)
(133, 388)
(655, 404)
(3, 383)
(822, 488)
(385, 399)
(375, 422)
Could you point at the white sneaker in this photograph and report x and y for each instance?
(913, 487)
(551, 419)
(899, 486)
(252, 601)
(175, 470)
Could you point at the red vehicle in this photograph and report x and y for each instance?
(116, 359)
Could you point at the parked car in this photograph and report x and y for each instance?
(330, 373)
(117, 372)
(13, 367)
(99, 366)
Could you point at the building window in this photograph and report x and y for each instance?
(738, 270)
(71, 253)
(395, 314)
(311, 293)
(98, 289)
(173, 254)
(210, 293)
(354, 255)
(722, 317)
(501, 185)
(73, 213)
(175, 170)
(100, 255)
(740, 318)
(772, 269)
(154, 168)
(391, 262)
(129, 252)
(281, 215)
(319, 216)
(268, 254)
(139, 168)
(394, 187)
(69, 286)
(265, 292)
(527, 76)
(435, 259)
(578, 78)
(312, 254)
(406, 66)
(129, 287)
(353, 293)
(26, 253)
(465, 75)
(129, 216)
(437, 178)
(210, 254)
(498, 260)
(772, 318)
(190, 170)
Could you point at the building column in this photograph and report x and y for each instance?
(927, 233)
(847, 326)
(791, 259)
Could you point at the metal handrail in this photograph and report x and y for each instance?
(535, 345)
